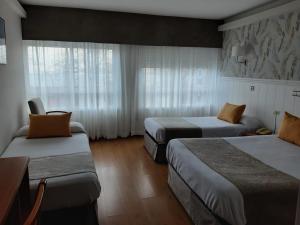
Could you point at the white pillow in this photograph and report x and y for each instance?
(75, 128)
(252, 123)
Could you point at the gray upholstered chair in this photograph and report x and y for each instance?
(36, 107)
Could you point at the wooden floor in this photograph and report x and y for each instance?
(134, 187)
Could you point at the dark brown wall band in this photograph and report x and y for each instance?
(82, 25)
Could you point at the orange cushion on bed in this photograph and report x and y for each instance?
(42, 126)
(231, 113)
(290, 129)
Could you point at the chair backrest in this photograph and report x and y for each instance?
(36, 106)
(32, 218)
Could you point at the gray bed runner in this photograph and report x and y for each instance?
(61, 165)
(270, 196)
(176, 127)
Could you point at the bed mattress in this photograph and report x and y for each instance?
(68, 189)
(219, 194)
(210, 126)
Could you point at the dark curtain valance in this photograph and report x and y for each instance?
(82, 25)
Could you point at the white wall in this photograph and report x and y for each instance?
(12, 89)
(268, 95)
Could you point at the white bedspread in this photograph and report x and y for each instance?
(211, 127)
(220, 195)
(35, 148)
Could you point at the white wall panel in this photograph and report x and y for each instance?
(268, 96)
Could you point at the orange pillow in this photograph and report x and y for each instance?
(290, 129)
(231, 113)
(43, 126)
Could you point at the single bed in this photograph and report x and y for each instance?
(72, 183)
(160, 130)
(237, 180)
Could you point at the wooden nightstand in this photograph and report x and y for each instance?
(253, 133)
(248, 134)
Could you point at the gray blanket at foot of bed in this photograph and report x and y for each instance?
(61, 165)
(269, 196)
(72, 180)
(176, 127)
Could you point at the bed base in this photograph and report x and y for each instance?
(157, 151)
(83, 215)
(193, 205)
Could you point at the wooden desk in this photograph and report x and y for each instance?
(14, 190)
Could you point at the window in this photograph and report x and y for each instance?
(162, 86)
(71, 75)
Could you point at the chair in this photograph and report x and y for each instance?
(32, 218)
(36, 107)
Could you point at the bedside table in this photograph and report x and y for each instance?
(248, 134)
(253, 133)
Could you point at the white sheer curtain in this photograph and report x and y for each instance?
(84, 78)
(173, 81)
(112, 88)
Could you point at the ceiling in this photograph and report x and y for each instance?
(206, 9)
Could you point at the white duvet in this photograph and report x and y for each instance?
(211, 127)
(63, 191)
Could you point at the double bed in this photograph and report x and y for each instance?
(66, 162)
(160, 130)
(237, 180)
